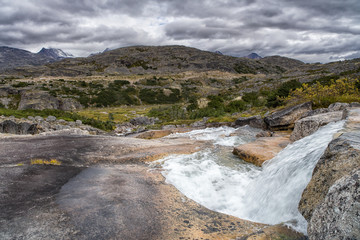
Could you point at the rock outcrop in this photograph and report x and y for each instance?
(285, 119)
(254, 121)
(307, 126)
(331, 201)
(261, 150)
(38, 100)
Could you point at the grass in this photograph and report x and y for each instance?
(119, 114)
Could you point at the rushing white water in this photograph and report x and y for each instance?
(268, 194)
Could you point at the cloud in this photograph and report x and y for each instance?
(309, 30)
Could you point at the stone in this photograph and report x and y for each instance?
(338, 216)
(285, 119)
(31, 118)
(38, 100)
(262, 149)
(51, 119)
(167, 127)
(315, 112)
(39, 119)
(9, 126)
(338, 106)
(78, 122)
(254, 121)
(307, 126)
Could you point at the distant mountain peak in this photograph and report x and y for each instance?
(218, 52)
(253, 56)
(54, 53)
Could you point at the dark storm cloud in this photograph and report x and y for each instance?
(313, 30)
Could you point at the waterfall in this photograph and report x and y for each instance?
(269, 194)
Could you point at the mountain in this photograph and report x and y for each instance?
(54, 53)
(14, 57)
(253, 56)
(151, 60)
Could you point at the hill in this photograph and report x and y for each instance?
(154, 60)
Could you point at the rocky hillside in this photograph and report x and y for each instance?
(14, 57)
(156, 60)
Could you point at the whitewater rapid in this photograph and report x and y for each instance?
(222, 182)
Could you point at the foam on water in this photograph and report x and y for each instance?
(270, 194)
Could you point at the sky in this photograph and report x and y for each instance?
(308, 30)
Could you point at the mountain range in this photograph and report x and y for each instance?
(14, 57)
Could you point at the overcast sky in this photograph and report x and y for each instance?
(309, 30)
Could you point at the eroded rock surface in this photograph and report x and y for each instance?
(308, 125)
(330, 202)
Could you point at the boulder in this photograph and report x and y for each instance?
(9, 126)
(142, 121)
(285, 119)
(307, 126)
(254, 121)
(38, 100)
(337, 217)
(262, 149)
(51, 119)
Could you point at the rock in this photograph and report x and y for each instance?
(51, 119)
(78, 122)
(307, 126)
(167, 127)
(5, 101)
(262, 149)
(248, 133)
(142, 121)
(264, 134)
(338, 216)
(341, 156)
(11, 127)
(69, 104)
(31, 118)
(331, 182)
(285, 119)
(254, 121)
(154, 134)
(354, 105)
(39, 119)
(338, 106)
(38, 100)
(315, 112)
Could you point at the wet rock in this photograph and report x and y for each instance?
(285, 119)
(306, 126)
(331, 182)
(262, 149)
(337, 217)
(354, 105)
(254, 121)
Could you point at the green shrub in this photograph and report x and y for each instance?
(236, 106)
(277, 97)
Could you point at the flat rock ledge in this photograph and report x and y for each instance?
(104, 190)
(262, 149)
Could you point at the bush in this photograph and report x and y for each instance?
(236, 106)
(341, 90)
(277, 97)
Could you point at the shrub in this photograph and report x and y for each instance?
(277, 97)
(236, 106)
(341, 90)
